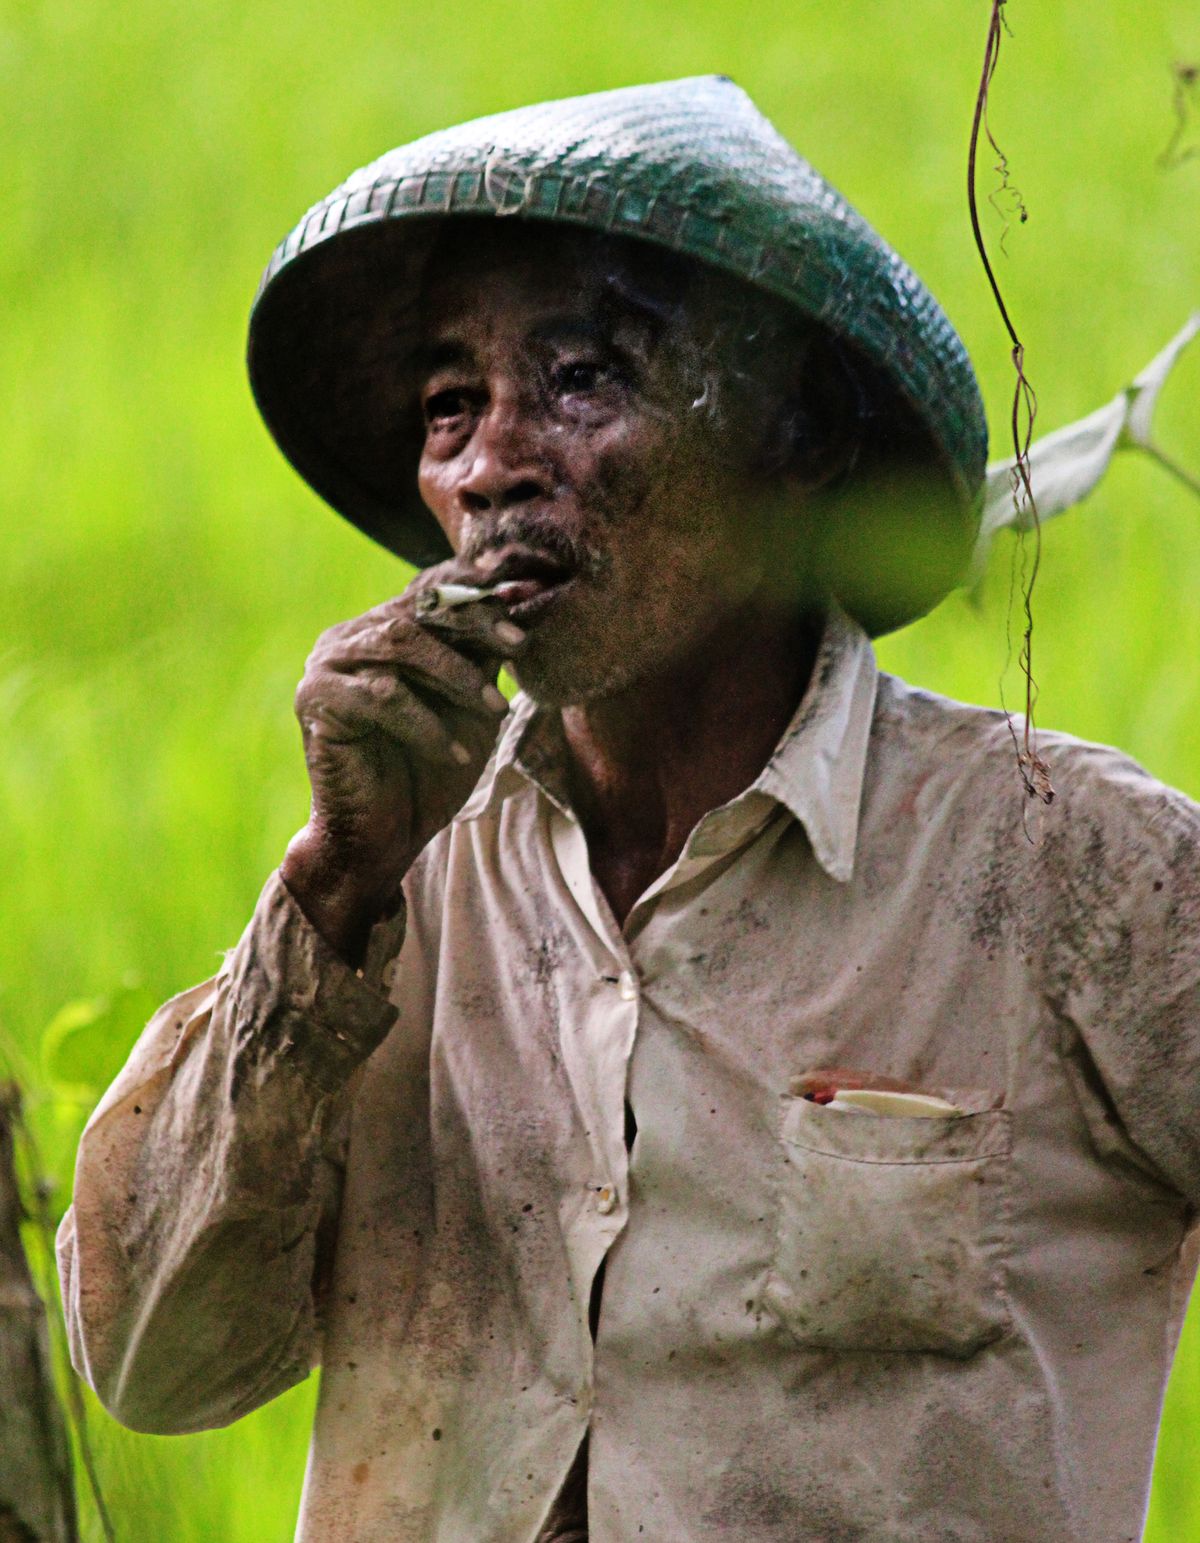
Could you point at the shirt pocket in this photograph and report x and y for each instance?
(891, 1230)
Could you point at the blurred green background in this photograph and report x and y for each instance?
(163, 573)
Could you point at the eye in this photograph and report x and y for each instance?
(580, 377)
(445, 406)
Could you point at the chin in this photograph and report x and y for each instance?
(573, 660)
(560, 676)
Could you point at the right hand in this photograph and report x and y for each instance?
(398, 718)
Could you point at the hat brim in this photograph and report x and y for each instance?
(329, 342)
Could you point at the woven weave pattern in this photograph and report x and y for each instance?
(694, 166)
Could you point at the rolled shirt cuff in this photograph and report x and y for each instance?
(297, 998)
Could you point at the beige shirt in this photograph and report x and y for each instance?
(816, 1324)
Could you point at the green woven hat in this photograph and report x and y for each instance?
(691, 166)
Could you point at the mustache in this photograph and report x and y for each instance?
(526, 528)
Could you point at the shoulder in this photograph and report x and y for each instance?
(1110, 869)
(972, 752)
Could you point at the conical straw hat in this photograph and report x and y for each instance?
(691, 166)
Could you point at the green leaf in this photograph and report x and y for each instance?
(1068, 464)
(85, 1044)
(1143, 394)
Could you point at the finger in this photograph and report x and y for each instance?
(482, 622)
(479, 618)
(344, 638)
(482, 625)
(469, 694)
(417, 653)
(473, 726)
(456, 657)
(345, 708)
(341, 636)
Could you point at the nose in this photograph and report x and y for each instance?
(504, 467)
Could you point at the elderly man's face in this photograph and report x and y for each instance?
(564, 447)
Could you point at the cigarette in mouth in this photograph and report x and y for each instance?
(445, 597)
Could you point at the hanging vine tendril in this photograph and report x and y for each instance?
(1186, 93)
(1035, 774)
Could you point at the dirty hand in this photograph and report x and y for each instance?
(398, 716)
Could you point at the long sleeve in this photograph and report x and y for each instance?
(1124, 936)
(207, 1180)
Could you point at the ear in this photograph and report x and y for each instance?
(818, 434)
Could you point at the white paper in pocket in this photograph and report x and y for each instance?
(925, 1106)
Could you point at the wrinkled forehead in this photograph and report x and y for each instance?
(477, 274)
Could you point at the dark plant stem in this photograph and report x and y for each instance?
(37, 1498)
(76, 1409)
(1035, 774)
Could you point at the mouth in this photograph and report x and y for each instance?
(525, 580)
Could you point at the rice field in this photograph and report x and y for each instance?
(163, 573)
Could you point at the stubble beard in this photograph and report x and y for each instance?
(557, 670)
(607, 649)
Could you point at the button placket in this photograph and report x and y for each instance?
(597, 1045)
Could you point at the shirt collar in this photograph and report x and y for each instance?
(815, 771)
(529, 750)
(818, 766)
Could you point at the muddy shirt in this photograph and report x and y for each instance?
(816, 1324)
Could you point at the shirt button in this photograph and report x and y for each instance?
(627, 987)
(606, 1198)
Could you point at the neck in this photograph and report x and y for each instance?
(647, 763)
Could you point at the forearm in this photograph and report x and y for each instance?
(189, 1256)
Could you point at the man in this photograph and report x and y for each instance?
(693, 1109)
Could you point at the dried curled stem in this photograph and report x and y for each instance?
(1035, 774)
